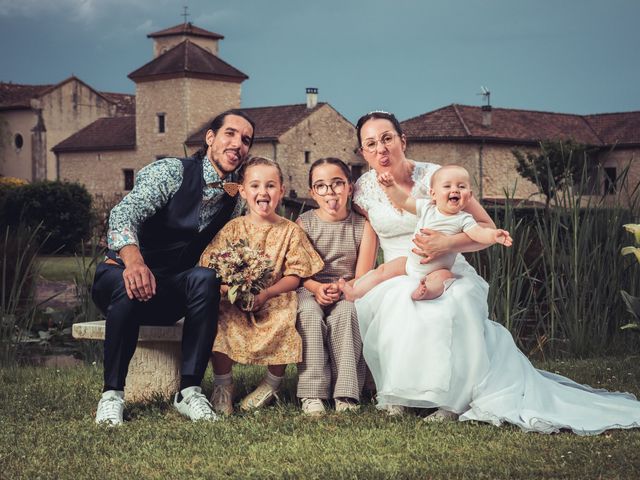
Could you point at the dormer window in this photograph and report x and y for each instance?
(161, 122)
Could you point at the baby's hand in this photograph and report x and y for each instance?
(503, 237)
(386, 179)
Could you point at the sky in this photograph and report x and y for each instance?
(404, 56)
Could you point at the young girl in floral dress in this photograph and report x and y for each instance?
(332, 365)
(268, 336)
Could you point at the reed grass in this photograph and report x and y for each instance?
(558, 288)
(18, 272)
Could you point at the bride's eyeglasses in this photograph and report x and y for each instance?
(387, 139)
(336, 186)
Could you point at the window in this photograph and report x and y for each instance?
(610, 180)
(18, 141)
(128, 178)
(307, 156)
(161, 122)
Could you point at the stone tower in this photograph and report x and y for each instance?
(184, 86)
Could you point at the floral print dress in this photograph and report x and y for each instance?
(268, 336)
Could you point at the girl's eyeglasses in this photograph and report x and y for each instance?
(336, 187)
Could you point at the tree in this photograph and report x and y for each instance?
(559, 164)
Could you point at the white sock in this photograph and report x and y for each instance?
(273, 381)
(226, 379)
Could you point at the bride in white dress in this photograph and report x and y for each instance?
(446, 353)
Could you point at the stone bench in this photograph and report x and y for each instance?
(155, 367)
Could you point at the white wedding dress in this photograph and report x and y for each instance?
(446, 353)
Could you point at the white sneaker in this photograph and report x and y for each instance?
(313, 407)
(262, 396)
(110, 408)
(441, 416)
(346, 405)
(222, 399)
(194, 405)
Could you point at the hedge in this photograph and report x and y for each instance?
(63, 208)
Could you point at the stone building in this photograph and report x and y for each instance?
(177, 95)
(482, 139)
(33, 118)
(102, 139)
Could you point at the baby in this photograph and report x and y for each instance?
(450, 192)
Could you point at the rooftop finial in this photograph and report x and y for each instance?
(185, 14)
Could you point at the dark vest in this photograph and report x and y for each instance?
(169, 240)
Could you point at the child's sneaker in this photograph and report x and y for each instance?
(194, 405)
(313, 407)
(110, 408)
(346, 405)
(222, 399)
(262, 396)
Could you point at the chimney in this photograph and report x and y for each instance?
(486, 115)
(312, 97)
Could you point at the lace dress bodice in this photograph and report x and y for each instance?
(394, 228)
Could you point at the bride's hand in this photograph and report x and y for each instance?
(431, 244)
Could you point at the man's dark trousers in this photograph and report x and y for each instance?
(193, 294)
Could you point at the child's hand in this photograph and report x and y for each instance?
(327, 294)
(503, 237)
(260, 299)
(386, 179)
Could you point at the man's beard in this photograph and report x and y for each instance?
(221, 168)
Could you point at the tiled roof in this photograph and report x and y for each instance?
(125, 102)
(187, 59)
(462, 122)
(112, 133)
(186, 29)
(15, 96)
(271, 122)
(18, 96)
(617, 128)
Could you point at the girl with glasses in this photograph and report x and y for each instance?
(332, 366)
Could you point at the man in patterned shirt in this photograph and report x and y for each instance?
(156, 236)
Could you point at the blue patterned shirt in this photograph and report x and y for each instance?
(155, 184)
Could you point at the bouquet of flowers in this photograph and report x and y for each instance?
(244, 270)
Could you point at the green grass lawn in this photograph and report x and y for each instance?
(47, 431)
(59, 268)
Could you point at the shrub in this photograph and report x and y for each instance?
(63, 209)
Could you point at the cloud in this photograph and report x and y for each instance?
(147, 26)
(78, 11)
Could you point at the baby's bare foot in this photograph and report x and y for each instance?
(421, 292)
(347, 290)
